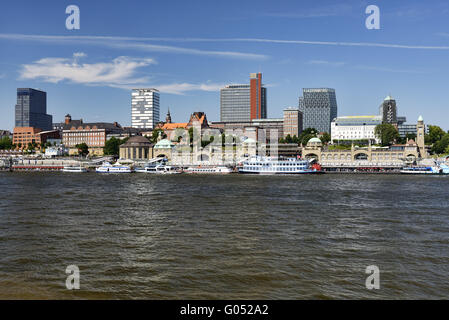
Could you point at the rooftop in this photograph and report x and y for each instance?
(171, 126)
(358, 120)
(136, 141)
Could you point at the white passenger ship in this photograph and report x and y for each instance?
(211, 170)
(267, 165)
(116, 168)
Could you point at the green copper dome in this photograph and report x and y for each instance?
(164, 144)
(315, 140)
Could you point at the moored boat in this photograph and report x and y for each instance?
(116, 168)
(268, 165)
(150, 168)
(158, 169)
(210, 170)
(166, 169)
(421, 170)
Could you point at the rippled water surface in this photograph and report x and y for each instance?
(223, 237)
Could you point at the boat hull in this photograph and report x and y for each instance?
(279, 173)
(213, 170)
(74, 170)
(112, 170)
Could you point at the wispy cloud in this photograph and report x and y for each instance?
(139, 43)
(318, 12)
(177, 88)
(334, 43)
(130, 43)
(327, 63)
(119, 71)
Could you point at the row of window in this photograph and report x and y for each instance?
(276, 169)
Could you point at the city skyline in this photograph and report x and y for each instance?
(189, 63)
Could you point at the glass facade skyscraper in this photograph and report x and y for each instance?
(31, 109)
(244, 102)
(319, 108)
(144, 108)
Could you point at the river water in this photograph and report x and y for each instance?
(145, 236)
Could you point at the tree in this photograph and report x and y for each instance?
(440, 146)
(112, 147)
(306, 138)
(155, 135)
(435, 134)
(295, 139)
(83, 149)
(387, 133)
(410, 136)
(325, 138)
(6, 143)
(306, 135)
(31, 146)
(447, 150)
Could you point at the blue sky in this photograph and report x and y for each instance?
(189, 49)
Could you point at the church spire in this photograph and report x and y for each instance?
(168, 117)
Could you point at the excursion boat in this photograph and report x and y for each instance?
(268, 165)
(211, 170)
(116, 168)
(421, 170)
(151, 168)
(158, 169)
(74, 169)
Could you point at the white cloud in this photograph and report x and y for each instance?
(181, 88)
(79, 55)
(120, 71)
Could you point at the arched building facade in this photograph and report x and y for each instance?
(137, 148)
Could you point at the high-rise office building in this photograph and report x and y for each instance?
(388, 111)
(292, 122)
(31, 109)
(319, 108)
(144, 108)
(243, 102)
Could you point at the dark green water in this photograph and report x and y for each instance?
(223, 237)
